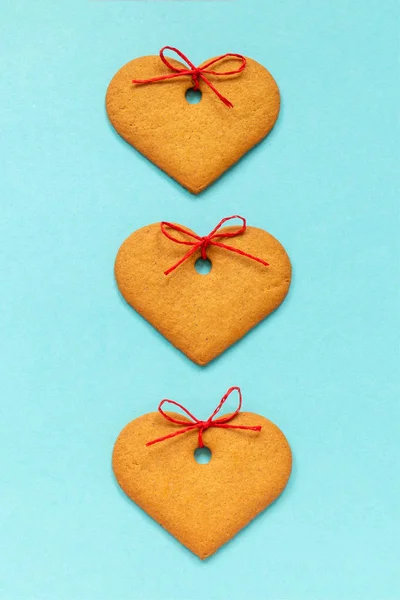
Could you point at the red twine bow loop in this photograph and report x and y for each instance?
(211, 239)
(221, 422)
(196, 73)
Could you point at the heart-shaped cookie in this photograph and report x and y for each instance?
(193, 143)
(202, 315)
(202, 505)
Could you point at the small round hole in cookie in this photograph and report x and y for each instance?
(203, 266)
(202, 455)
(193, 96)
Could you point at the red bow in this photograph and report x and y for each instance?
(207, 240)
(196, 73)
(222, 422)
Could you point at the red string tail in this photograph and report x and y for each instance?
(201, 243)
(196, 73)
(221, 422)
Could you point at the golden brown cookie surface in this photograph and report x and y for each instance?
(202, 505)
(202, 315)
(193, 143)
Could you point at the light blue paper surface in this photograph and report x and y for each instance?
(78, 364)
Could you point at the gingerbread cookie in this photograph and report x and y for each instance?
(193, 143)
(202, 505)
(202, 315)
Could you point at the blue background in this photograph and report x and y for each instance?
(77, 363)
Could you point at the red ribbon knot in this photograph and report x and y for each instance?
(196, 73)
(222, 422)
(203, 242)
